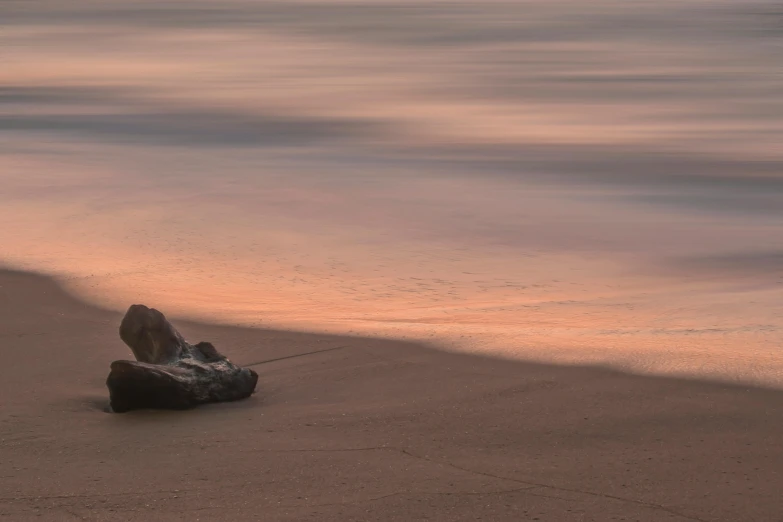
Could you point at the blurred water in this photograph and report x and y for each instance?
(554, 180)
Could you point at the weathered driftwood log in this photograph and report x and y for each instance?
(169, 372)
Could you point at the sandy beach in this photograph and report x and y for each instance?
(537, 245)
(367, 430)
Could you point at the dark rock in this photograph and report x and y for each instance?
(169, 372)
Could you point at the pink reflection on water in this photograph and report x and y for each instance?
(553, 180)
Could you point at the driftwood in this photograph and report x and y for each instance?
(169, 372)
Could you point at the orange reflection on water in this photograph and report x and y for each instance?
(568, 181)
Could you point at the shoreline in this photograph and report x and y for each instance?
(374, 430)
(686, 354)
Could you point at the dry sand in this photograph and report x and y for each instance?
(368, 430)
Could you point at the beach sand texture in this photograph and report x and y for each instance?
(368, 430)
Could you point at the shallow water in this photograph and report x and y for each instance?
(554, 180)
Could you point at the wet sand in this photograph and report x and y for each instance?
(367, 430)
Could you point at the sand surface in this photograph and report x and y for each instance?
(368, 430)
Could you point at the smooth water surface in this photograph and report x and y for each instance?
(566, 181)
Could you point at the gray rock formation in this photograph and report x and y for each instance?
(169, 372)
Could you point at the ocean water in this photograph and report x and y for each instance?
(567, 181)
